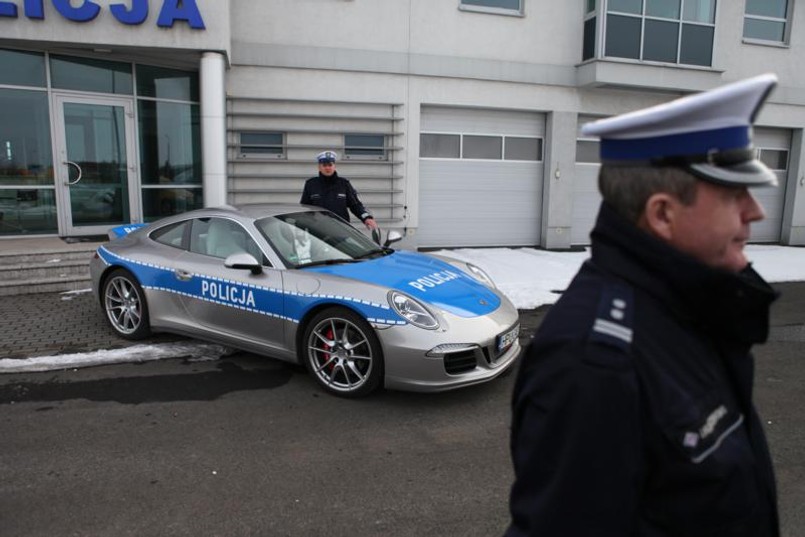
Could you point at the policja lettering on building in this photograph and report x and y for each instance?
(136, 13)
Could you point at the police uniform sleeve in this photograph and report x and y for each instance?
(355, 205)
(305, 200)
(575, 442)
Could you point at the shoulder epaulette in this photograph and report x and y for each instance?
(613, 322)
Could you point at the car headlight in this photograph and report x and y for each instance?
(481, 276)
(413, 311)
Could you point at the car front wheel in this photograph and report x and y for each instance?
(342, 353)
(125, 306)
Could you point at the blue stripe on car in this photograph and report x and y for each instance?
(425, 278)
(266, 300)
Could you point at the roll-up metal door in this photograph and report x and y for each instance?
(586, 198)
(775, 147)
(480, 177)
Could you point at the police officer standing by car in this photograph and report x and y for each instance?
(335, 193)
(632, 412)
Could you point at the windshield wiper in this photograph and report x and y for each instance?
(327, 262)
(383, 251)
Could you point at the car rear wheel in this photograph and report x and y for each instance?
(341, 351)
(125, 306)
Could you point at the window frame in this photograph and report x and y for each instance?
(782, 150)
(591, 14)
(184, 243)
(283, 146)
(602, 12)
(593, 143)
(383, 149)
(493, 10)
(785, 42)
(191, 246)
(503, 139)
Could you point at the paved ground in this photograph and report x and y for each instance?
(56, 323)
(235, 446)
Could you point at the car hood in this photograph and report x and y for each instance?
(423, 277)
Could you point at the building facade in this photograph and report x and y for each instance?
(458, 121)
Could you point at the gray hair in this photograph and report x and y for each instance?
(628, 188)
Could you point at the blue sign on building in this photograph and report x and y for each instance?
(134, 12)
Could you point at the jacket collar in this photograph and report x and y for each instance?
(733, 305)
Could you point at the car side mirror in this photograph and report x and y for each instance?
(393, 236)
(243, 261)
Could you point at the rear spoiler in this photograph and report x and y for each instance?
(122, 231)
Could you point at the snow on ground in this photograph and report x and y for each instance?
(529, 277)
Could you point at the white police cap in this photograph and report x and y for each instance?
(327, 156)
(709, 134)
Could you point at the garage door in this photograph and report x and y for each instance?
(480, 177)
(586, 198)
(774, 148)
(774, 145)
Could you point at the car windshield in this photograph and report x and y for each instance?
(316, 238)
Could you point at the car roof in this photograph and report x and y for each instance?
(249, 210)
(261, 210)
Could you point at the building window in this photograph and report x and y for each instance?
(440, 146)
(27, 195)
(590, 22)
(170, 141)
(518, 148)
(21, 68)
(767, 20)
(588, 151)
(364, 146)
(162, 83)
(262, 144)
(667, 31)
(503, 7)
(85, 74)
(481, 147)
(775, 159)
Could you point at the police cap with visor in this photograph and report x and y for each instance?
(326, 157)
(708, 134)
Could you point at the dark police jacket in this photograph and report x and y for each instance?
(334, 193)
(632, 412)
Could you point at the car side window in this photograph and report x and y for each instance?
(219, 237)
(172, 235)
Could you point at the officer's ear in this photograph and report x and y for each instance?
(660, 214)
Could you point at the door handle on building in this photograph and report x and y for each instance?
(80, 172)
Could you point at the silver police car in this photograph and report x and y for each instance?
(299, 284)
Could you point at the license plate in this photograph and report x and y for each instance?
(506, 339)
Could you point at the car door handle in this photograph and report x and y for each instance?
(182, 275)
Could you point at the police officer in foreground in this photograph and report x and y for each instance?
(335, 193)
(632, 411)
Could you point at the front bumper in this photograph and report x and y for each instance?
(466, 352)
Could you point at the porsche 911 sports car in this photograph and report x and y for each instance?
(299, 284)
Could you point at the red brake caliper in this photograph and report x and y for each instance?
(329, 335)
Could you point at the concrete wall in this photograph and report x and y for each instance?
(420, 52)
(415, 53)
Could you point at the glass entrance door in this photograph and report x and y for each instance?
(96, 179)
